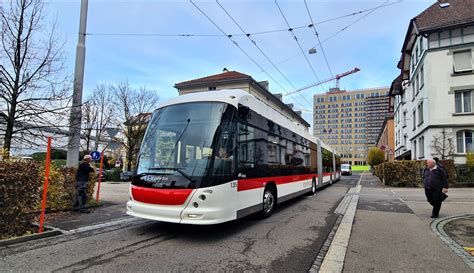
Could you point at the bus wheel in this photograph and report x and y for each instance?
(269, 202)
(313, 187)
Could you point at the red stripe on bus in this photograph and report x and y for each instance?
(160, 196)
(255, 183)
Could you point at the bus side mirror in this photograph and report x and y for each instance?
(243, 111)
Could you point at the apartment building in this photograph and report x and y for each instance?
(236, 80)
(340, 119)
(434, 94)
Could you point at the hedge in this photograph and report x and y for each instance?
(62, 187)
(20, 184)
(21, 187)
(410, 173)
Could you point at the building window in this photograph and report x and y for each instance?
(464, 101)
(404, 119)
(417, 81)
(464, 141)
(413, 90)
(462, 61)
(420, 113)
(422, 147)
(211, 88)
(422, 77)
(414, 120)
(414, 149)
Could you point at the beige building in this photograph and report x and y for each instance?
(237, 80)
(340, 120)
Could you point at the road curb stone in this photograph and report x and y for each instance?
(438, 228)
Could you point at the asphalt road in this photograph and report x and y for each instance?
(288, 241)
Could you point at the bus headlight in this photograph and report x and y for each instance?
(202, 197)
(195, 204)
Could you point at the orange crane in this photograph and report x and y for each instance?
(337, 78)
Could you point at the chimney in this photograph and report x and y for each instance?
(299, 113)
(279, 96)
(264, 84)
(290, 105)
(225, 70)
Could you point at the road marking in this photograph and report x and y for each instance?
(334, 259)
(470, 250)
(102, 225)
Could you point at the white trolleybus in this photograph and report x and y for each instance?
(212, 157)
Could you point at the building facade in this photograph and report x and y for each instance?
(340, 119)
(237, 80)
(386, 138)
(434, 95)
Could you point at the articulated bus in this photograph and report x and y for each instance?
(217, 156)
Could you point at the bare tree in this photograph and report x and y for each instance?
(33, 94)
(134, 108)
(443, 144)
(89, 119)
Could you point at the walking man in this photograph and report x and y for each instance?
(82, 179)
(436, 184)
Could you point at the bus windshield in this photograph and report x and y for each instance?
(177, 146)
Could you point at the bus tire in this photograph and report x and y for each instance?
(269, 200)
(313, 187)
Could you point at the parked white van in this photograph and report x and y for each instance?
(346, 169)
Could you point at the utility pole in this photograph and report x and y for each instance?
(75, 118)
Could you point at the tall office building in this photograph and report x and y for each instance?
(350, 120)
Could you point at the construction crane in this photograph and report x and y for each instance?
(337, 78)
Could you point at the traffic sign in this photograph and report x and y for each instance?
(390, 152)
(95, 155)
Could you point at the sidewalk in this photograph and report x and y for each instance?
(113, 197)
(392, 231)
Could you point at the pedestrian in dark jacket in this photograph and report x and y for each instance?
(436, 185)
(82, 179)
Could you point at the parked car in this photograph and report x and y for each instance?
(346, 169)
(104, 175)
(126, 176)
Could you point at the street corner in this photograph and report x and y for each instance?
(457, 232)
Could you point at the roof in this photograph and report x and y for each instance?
(225, 76)
(434, 18)
(233, 77)
(459, 12)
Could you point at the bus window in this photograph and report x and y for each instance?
(246, 147)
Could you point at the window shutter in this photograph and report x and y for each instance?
(462, 61)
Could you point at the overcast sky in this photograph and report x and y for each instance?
(372, 43)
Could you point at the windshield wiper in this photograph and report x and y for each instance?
(174, 169)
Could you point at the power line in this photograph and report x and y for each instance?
(261, 51)
(235, 35)
(237, 45)
(296, 40)
(319, 41)
(342, 29)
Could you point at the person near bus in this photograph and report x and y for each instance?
(436, 186)
(82, 180)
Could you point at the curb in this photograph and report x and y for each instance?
(438, 228)
(31, 237)
(338, 239)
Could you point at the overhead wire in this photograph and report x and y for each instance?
(371, 10)
(261, 51)
(319, 41)
(238, 46)
(299, 44)
(235, 35)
